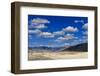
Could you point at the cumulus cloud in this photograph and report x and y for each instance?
(34, 31)
(40, 26)
(59, 33)
(70, 36)
(61, 38)
(85, 26)
(40, 20)
(38, 23)
(46, 35)
(66, 37)
(70, 29)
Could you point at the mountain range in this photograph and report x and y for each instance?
(79, 47)
(83, 47)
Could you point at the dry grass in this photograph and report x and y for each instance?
(33, 55)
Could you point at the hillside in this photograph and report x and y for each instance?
(80, 47)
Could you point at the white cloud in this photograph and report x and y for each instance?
(70, 29)
(85, 26)
(46, 35)
(66, 37)
(61, 38)
(38, 23)
(70, 36)
(34, 31)
(40, 20)
(40, 26)
(59, 33)
(79, 21)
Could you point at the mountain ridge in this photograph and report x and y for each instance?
(83, 47)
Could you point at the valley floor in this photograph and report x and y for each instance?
(33, 55)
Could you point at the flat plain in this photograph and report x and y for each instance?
(49, 55)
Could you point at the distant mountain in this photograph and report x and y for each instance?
(80, 47)
(45, 48)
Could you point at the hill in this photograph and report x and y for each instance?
(80, 47)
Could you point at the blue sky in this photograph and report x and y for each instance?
(56, 31)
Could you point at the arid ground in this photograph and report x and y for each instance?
(48, 55)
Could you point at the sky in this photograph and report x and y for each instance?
(56, 31)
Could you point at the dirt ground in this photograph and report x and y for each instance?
(33, 55)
